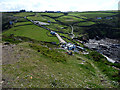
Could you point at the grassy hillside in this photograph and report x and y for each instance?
(28, 29)
(40, 18)
(46, 71)
(31, 61)
(92, 14)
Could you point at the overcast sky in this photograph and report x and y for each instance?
(58, 5)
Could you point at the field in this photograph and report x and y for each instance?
(33, 57)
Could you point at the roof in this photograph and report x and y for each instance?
(41, 23)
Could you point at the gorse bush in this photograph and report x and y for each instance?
(53, 54)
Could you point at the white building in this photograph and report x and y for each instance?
(41, 23)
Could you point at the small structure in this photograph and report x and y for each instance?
(52, 32)
(40, 23)
(80, 48)
(70, 46)
(62, 27)
(99, 17)
(11, 22)
(49, 21)
(108, 17)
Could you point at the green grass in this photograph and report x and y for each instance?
(86, 23)
(21, 20)
(30, 31)
(69, 19)
(57, 27)
(46, 73)
(53, 54)
(52, 14)
(92, 14)
(49, 66)
(22, 23)
(23, 14)
(40, 18)
(105, 66)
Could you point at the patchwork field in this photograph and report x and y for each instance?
(33, 58)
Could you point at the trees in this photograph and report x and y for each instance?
(22, 10)
(65, 13)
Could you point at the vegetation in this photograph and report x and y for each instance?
(40, 70)
(105, 66)
(40, 18)
(53, 54)
(27, 29)
(69, 19)
(41, 63)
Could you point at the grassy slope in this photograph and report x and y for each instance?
(46, 73)
(92, 15)
(52, 14)
(23, 14)
(32, 31)
(69, 19)
(40, 18)
(86, 23)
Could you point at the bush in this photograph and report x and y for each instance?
(10, 39)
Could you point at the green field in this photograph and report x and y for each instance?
(40, 18)
(92, 15)
(23, 14)
(86, 23)
(33, 62)
(69, 19)
(52, 14)
(31, 31)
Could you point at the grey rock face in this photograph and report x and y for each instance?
(108, 47)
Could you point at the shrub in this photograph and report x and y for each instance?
(10, 39)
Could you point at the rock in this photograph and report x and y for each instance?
(38, 50)
(108, 47)
(6, 43)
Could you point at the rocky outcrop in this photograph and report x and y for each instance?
(107, 47)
